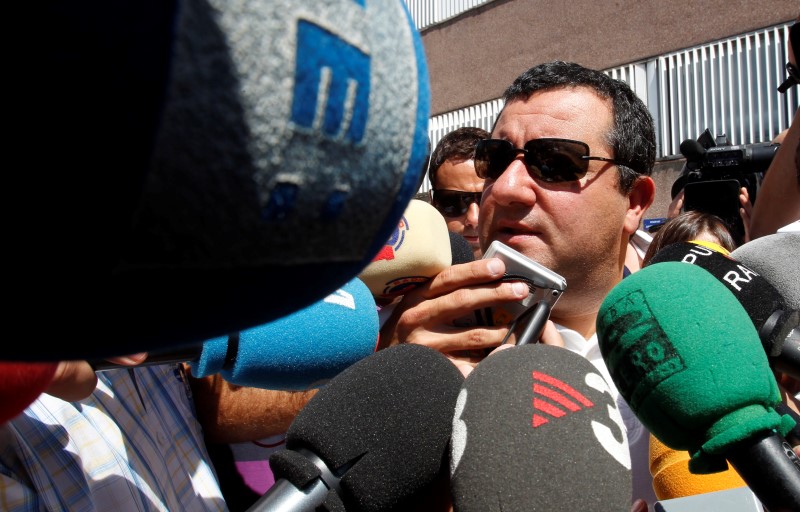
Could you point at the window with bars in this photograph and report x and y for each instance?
(728, 86)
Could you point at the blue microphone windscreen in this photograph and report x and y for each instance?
(302, 350)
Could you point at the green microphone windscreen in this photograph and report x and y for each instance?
(685, 355)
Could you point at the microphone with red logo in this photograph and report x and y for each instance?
(418, 249)
(537, 428)
(374, 439)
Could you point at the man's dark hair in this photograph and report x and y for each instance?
(632, 136)
(456, 145)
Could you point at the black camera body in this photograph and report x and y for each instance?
(711, 158)
(714, 173)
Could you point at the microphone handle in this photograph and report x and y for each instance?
(283, 496)
(532, 330)
(788, 361)
(178, 355)
(771, 470)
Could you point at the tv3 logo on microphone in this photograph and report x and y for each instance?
(553, 399)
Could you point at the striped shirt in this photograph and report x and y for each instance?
(133, 445)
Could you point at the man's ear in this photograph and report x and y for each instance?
(640, 198)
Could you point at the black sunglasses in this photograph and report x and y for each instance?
(454, 203)
(550, 160)
(791, 69)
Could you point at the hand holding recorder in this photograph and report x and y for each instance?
(500, 281)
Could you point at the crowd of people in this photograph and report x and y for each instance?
(564, 177)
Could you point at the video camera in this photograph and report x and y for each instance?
(714, 173)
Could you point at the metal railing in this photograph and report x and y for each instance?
(728, 86)
(426, 12)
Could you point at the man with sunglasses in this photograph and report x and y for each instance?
(566, 182)
(455, 187)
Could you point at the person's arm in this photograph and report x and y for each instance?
(233, 414)
(778, 201)
(746, 212)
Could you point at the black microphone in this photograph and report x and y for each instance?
(775, 321)
(692, 150)
(460, 249)
(686, 357)
(374, 438)
(775, 258)
(236, 164)
(537, 428)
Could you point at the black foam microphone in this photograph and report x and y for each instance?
(692, 150)
(211, 166)
(460, 249)
(775, 320)
(537, 428)
(373, 439)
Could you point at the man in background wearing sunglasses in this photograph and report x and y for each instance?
(566, 182)
(455, 187)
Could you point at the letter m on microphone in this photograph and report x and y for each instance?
(336, 75)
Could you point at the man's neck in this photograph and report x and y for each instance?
(585, 325)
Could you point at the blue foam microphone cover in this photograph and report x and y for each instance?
(299, 351)
(233, 162)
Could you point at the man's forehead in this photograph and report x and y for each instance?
(457, 174)
(565, 112)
